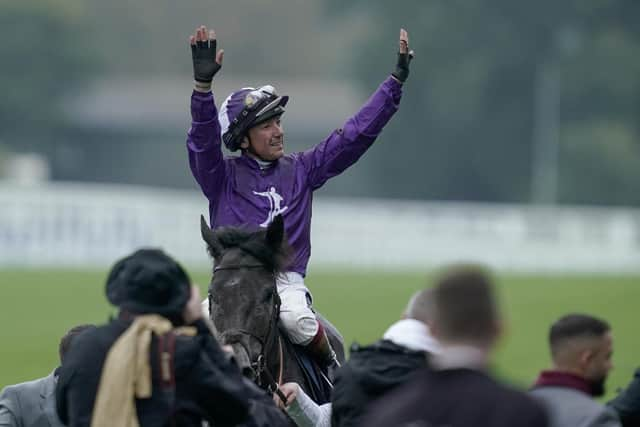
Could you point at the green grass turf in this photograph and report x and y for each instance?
(38, 306)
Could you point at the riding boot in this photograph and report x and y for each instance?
(323, 352)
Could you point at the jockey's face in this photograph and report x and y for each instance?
(265, 141)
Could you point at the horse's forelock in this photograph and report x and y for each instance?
(256, 245)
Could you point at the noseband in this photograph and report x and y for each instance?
(259, 366)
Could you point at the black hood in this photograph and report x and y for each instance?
(384, 365)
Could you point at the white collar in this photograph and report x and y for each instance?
(412, 334)
(460, 356)
(264, 164)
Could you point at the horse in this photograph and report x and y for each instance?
(244, 307)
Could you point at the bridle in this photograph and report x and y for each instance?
(260, 366)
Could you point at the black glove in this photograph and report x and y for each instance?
(205, 66)
(402, 67)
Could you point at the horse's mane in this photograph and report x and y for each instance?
(255, 243)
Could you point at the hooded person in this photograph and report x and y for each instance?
(156, 363)
(251, 189)
(371, 372)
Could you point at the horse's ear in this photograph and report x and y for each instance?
(213, 244)
(275, 232)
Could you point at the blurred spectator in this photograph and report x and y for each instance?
(33, 404)
(371, 371)
(627, 403)
(378, 368)
(581, 348)
(456, 390)
(140, 369)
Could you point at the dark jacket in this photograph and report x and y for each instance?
(455, 398)
(207, 385)
(370, 372)
(627, 403)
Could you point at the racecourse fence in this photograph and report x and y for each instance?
(83, 225)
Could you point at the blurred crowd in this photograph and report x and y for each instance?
(158, 363)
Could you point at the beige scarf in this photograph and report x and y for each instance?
(126, 374)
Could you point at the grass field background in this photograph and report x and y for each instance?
(38, 306)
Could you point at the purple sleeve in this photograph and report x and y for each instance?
(345, 146)
(203, 142)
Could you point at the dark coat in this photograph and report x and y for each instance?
(627, 403)
(208, 386)
(370, 372)
(455, 398)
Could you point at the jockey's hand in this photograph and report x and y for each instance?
(404, 58)
(206, 60)
(290, 391)
(193, 310)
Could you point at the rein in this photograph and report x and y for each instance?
(260, 366)
(236, 267)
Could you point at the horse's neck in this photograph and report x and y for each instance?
(283, 362)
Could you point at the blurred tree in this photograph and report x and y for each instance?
(45, 53)
(602, 164)
(283, 37)
(467, 117)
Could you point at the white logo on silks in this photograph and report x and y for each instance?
(274, 204)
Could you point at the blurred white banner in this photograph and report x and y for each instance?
(83, 225)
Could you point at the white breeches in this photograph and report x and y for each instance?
(295, 308)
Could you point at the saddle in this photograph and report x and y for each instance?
(318, 379)
(319, 385)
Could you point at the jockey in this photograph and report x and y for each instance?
(263, 182)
